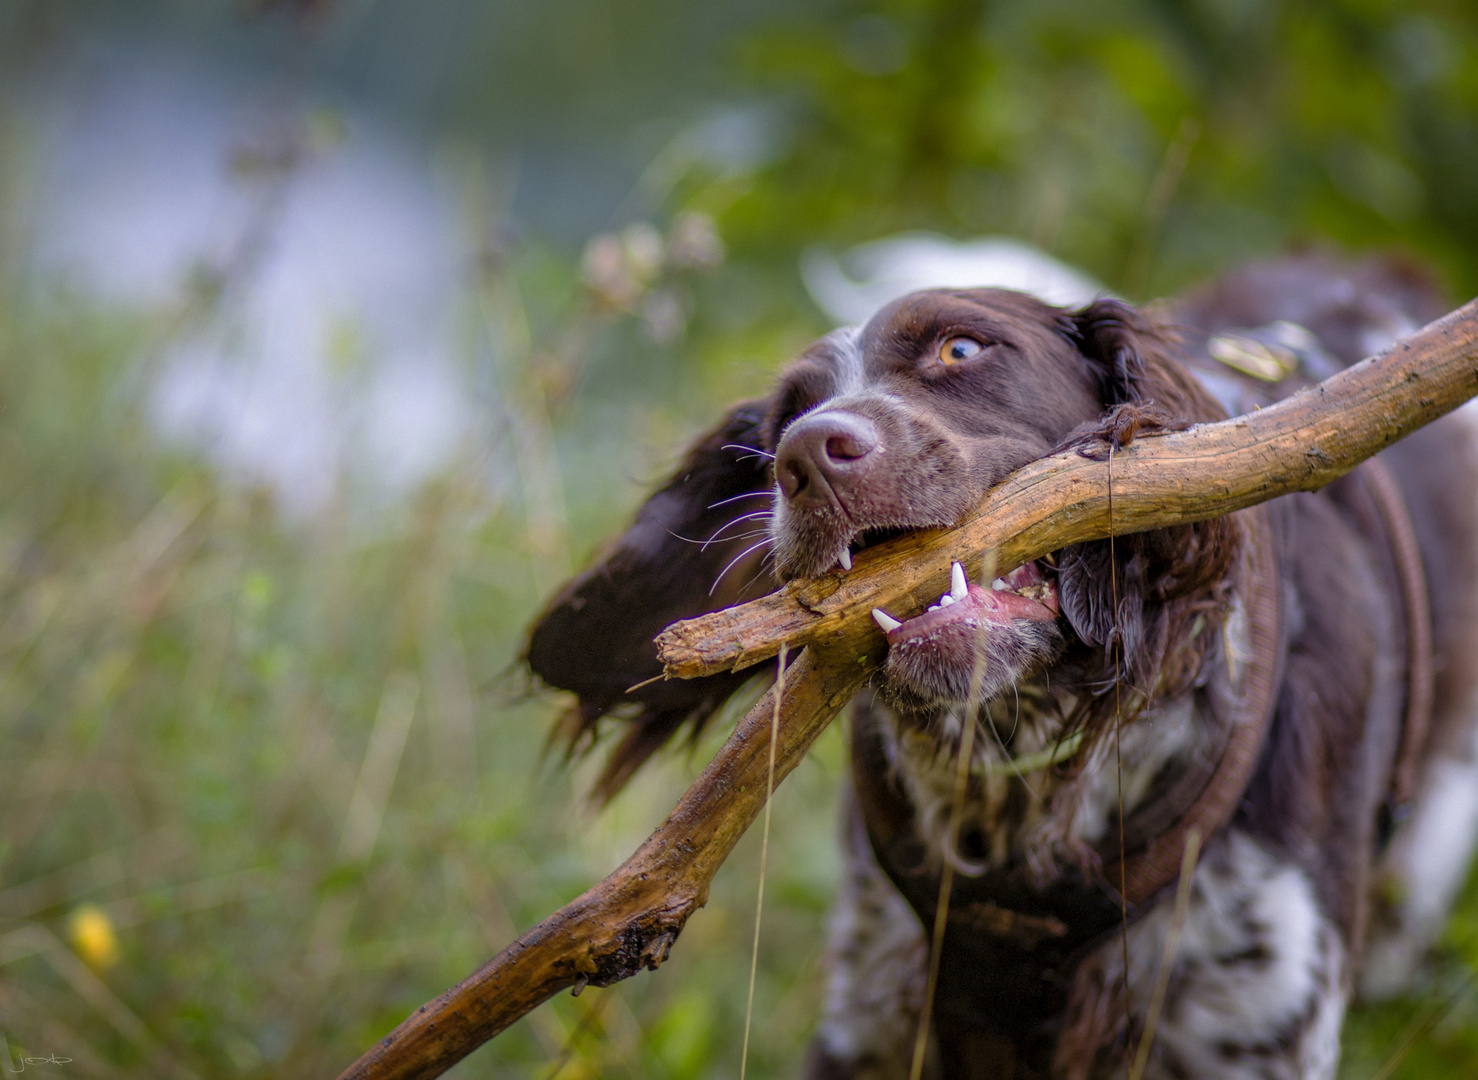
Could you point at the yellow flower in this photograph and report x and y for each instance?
(93, 936)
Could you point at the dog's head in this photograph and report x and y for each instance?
(904, 424)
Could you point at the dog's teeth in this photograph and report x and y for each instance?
(886, 621)
(999, 585)
(845, 558)
(946, 600)
(959, 588)
(933, 608)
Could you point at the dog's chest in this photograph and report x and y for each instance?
(1257, 985)
(1256, 989)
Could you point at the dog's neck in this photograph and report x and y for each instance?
(1041, 819)
(1171, 760)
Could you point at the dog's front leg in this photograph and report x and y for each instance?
(875, 969)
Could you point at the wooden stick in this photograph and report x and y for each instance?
(1299, 444)
(630, 920)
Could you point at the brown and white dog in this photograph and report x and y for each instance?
(1109, 682)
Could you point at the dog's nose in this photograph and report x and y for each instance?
(825, 450)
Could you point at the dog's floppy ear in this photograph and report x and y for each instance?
(1157, 585)
(1156, 595)
(697, 545)
(1113, 337)
(1132, 358)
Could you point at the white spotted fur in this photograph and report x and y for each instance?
(1258, 984)
(875, 966)
(1258, 987)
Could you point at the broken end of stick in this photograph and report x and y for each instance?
(681, 659)
(741, 636)
(708, 645)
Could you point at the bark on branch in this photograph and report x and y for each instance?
(629, 921)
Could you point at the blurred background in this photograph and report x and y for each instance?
(335, 333)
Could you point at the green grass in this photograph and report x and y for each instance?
(287, 761)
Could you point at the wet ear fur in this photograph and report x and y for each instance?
(695, 546)
(1149, 595)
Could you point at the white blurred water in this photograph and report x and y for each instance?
(332, 359)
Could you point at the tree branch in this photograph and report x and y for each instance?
(1299, 444)
(630, 919)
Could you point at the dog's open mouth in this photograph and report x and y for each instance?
(976, 640)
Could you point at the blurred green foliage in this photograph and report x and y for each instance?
(287, 760)
(1149, 142)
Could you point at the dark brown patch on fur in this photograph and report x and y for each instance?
(595, 637)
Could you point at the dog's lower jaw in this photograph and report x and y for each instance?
(975, 643)
(920, 676)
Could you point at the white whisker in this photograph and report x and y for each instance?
(748, 450)
(769, 558)
(747, 495)
(718, 534)
(1009, 758)
(736, 560)
(746, 536)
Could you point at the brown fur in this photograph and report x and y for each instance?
(870, 433)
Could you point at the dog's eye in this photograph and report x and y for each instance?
(958, 348)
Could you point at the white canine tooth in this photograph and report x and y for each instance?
(845, 558)
(999, 585)
(934, 608)
(886, 621)
(959, 588)
(946, 600)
